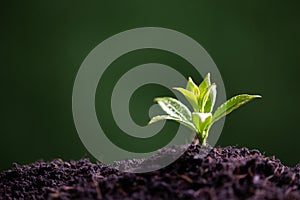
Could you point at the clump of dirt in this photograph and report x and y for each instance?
(225, 173)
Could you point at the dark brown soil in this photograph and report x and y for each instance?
(225, 173)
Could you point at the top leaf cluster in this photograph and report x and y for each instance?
(202, 98)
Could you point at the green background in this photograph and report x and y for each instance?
(255, 45)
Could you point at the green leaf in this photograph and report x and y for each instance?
(201, 120)
(188, 124)
(209, 99)
(190, 97)
(174, 108)
(232, 104)
(192, 87)
(204, 85)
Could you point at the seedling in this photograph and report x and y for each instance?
(202, 98)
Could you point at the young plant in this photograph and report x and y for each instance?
(202, 98)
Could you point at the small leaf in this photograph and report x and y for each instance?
(209, 99)
(191, 85)
(204, 85)
(201, 120)
(232, 104)
(190, 97)
(188, 124)
(174, 108)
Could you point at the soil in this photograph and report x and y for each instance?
(225, 173)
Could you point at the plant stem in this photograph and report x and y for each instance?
(203, 142)
(202, 138)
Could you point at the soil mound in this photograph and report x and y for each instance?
(225, 173)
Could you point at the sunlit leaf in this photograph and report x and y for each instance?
(209, 99)
(188, 124)
(192, 87)
(192, 99)
(204, 85)
(174, 108)
(232, 104)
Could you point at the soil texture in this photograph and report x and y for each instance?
(225, 173)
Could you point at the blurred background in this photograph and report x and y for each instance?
(255, 45)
